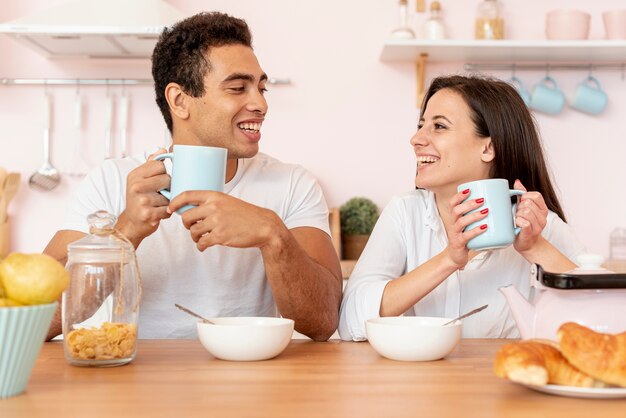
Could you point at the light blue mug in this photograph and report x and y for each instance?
(589, 97)
(501, 230)
(195, 168)
(521, 89)
(547, 97)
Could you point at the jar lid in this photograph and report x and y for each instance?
(101, 245)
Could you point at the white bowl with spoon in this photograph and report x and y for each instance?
(415, 338)
(250, 338)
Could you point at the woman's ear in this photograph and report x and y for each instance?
(488, 152)
(177, 100)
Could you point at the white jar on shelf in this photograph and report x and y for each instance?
(434, 29)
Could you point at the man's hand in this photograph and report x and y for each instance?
(145, 206)
(220, 219)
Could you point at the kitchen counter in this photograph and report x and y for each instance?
(618, 266)
(178, 378)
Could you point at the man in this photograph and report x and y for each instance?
(264, 246)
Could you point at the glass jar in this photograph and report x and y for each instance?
(489, 22)
(403, 31)
(618, 244)
(101, 304)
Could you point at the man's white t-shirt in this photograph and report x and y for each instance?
(409, 233)
(220, 281)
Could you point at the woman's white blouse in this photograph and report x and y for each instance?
(409, 233)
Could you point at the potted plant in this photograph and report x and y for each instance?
(358, 217)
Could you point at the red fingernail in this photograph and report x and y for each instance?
(481, 200)
(466, 191)
(483, 226)
(484, 211)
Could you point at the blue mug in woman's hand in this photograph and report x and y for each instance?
(501, 230)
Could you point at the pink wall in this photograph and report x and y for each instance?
(347, 116)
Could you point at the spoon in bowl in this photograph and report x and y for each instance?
(470, 313)
(192, 313)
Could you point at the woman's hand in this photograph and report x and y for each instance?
(531, 215)
(458, 238)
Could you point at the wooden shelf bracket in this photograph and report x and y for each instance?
(420, 74)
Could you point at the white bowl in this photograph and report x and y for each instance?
(615, 24)
(567, 25)
(413, 338)
(245, 338)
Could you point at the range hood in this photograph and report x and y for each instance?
(95, 28)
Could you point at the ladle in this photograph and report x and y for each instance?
(192, 313)
(470, 313)
(47, 177)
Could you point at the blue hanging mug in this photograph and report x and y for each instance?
(521, 89)
(547, 97)
(589, 97)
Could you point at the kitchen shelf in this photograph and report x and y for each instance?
(505, 50)
(512, 51)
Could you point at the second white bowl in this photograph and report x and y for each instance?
(413, 338)
(245, 338)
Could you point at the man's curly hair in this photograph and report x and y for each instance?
(180, 54)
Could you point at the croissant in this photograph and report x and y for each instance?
(538, 363)
(602, 356)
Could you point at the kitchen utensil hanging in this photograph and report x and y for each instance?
(9, 188)
(78, 165)
(108, 127)
(47, 177)
(123, 121)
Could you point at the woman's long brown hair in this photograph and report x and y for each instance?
(499, 112)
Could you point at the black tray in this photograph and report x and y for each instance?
(581, 281)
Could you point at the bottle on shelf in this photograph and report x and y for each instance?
(434, 28)
(489, 21)
(403, 31)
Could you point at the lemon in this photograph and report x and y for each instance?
(7, 303)
(33, 279)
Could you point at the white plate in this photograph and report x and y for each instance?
(578, 392)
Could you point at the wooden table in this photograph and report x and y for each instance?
(178, 378)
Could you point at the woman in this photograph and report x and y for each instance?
(417, 261)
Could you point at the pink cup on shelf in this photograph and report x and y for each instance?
(615, 24)
(567, 25)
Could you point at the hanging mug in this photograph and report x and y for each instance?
(521, 89)
(547, 97)
(589, 97)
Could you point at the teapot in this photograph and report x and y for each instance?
(589, 295)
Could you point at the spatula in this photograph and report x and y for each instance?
(11, 184)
